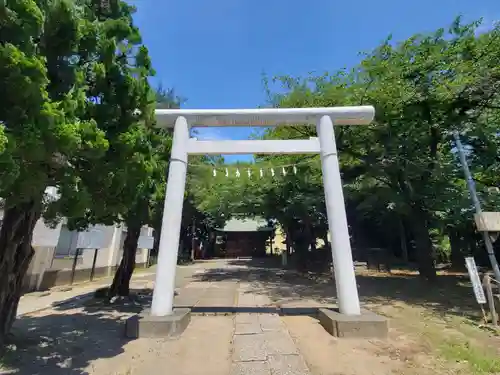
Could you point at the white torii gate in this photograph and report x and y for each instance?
(183, 146)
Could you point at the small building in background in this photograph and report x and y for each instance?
(244, 237)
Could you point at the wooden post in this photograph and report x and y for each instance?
(73, 268)
(92, 271)
(491, 300)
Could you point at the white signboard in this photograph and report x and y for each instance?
(475, 280)
(145, 242)
(488, 221)
(44, 236)
(93, 238)
(146, 231)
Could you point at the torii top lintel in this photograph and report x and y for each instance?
(355, 115)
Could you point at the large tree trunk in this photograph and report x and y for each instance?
(156, 243)
(313, 243)
(403, 240)
(16, 253)
(300, 248)
(423, 244)
(288, 242)
(325, 240)
(210, 251)
(302, 241)
(121, 281)
(457, 249)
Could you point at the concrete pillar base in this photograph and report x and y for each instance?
(145, 325)
(366, 325)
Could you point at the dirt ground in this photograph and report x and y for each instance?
(435, 329)
(443, 321)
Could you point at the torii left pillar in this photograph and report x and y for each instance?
(163, 296)
(163, 321)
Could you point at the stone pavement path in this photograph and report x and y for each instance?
(262, 345)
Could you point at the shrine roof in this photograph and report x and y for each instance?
(245, 225)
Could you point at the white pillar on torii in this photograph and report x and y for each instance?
(163, 295)
(182, 146)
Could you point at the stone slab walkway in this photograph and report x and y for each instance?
(261, 344)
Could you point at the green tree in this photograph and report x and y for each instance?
(146, 205)
(132, 182)
(422, 89)
(78, 116)
(46, 50)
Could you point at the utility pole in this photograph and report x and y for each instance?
(472, 190)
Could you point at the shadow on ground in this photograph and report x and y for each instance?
(449, 294)
(63, 343)
(71, 337)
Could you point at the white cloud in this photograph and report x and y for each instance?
(486, 26)
(208, 134)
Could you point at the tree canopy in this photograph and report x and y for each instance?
(403, 182)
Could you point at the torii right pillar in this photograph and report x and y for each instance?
(350, 320)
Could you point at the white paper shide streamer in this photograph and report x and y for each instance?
(272, 171)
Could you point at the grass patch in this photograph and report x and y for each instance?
(456, 342)
(479, 361)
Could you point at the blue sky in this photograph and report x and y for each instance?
(213, 52)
